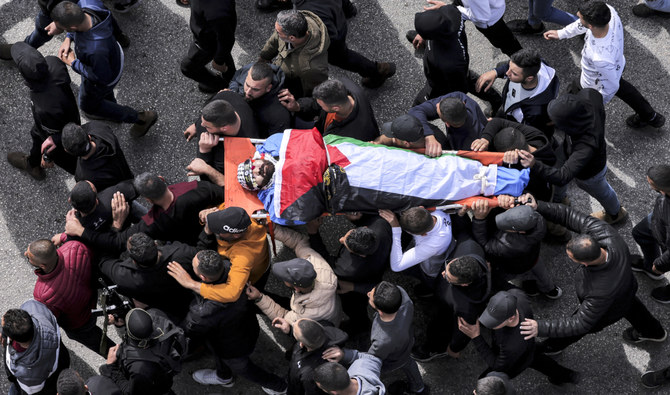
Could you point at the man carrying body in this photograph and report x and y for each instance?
(227, 114)
(582, 117)
(341, 107)
(260, 84)
(531, 84)
(240, 239)
(299, 45)
(463, 118)
(604, 283)
(603, 61)
(98, 58)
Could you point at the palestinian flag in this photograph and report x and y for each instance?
(367, 177)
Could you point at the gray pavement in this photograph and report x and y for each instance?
(160, 35)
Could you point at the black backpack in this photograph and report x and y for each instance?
(166, 350)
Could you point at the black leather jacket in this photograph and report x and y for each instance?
(605, 291)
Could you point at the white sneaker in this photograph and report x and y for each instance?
(209, 377)
(273, 392)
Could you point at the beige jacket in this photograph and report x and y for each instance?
(322, 303)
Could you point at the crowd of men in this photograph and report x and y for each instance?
(188, 274)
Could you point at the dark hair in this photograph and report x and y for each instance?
(660, 176)
(75, 140)
(595, 13)
(387, 297)
(18, 325)
(331, 92)
(529, 60)
(453, 111)
(83, 197)
(212, 265)
(416, 220)
(219, 112)
(312, 334)
(150, 186)
(583, 248)
(332, 376)
(508, 139)
(43, 250)
(70, 383)
(142, 249)
(466, 268)
(68, 14)
(491, 385)
(261, 71)
(292, 23)
(362, 241)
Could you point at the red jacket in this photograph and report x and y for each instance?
(67, 290)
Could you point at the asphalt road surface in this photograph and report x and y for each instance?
(159, 31)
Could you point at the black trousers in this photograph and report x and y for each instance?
(631, 96)
(501, 37)
(341, 56)
(193, 65)
(637, 314)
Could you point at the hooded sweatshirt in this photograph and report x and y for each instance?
(447, 45)
(53, 103)
(40, 360)
(107, 166)
(531, 110)
(582, 118)
(270, 115)
(308, 62)
(99, 56)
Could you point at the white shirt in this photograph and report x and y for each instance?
(429, 250)
(602, 58)
(483, 13)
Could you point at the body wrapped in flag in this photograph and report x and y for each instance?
(313, 175)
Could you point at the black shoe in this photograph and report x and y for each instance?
(6, 51)
(635, 122)
(521, 26)
(350, 10)
(554, 293)
(384, 72)
(661, 294)
(653, 379)
(123, 8)
(145, 120)
(631, 335)
(20, 161)
(637, 264)
(123, 40)
(530, 287)
(420, 354)
(573, 377)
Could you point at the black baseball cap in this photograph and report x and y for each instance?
(233, 220)
(519, 218)
(297, 271)
(405, 127)
(501, 307)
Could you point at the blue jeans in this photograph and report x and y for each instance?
(645, 239)
(598, 187)
(39, 36)
(97, 99)
(541, 10)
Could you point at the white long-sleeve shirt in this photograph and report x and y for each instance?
(429, 250)
(602, 58)
(483, 13)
